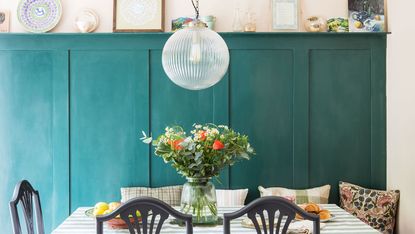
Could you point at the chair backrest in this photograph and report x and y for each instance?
(148, 207)
(28, 197)
(271, 205)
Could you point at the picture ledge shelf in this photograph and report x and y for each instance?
(221, 33)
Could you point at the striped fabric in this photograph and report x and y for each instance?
(344, 223)
(170, 194)
(319, 195)
(229, 198)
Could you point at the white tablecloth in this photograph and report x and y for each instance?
(78, 222)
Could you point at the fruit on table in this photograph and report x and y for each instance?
(114, 205)
(99, 211)
(103, 208)
(101, 205)
(358, 24)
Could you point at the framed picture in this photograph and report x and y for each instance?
(138, 16)
(367, 15)
(285, 14)
(4, 21)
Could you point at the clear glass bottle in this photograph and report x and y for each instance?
(250, 25)
(237, 25)
(199, 200)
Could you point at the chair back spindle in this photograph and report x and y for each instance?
(271, 208)
(150, 208)
(30, 203)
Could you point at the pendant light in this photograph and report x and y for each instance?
(195, 57)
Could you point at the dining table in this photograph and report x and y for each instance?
(343, 222)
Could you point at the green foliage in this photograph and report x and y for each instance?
(203, 153)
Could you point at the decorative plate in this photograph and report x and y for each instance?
(90, 213)
(333, 217)
(39, 15)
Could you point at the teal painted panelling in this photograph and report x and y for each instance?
(261, 107)
(340, 118)
(172, 105)
(109, 108)
(74, 105)
(33, 130)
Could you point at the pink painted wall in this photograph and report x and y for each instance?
(222, 9)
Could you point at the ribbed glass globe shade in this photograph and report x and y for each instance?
(195, 58)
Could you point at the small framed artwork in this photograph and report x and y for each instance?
(4, 21)
(285, 14)
(367, 15)
(138, 16)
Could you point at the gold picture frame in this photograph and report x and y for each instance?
(138, 16)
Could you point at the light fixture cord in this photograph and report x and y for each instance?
(195, 4)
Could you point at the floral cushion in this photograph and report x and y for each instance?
(374, 207)
(319, 195)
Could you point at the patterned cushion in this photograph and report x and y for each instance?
(171, 194)
(227, 198)
(319, 195)
(374, 207)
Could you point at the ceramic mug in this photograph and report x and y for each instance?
(210, 21)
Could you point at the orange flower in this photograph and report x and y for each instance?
(176, 144)
(202, 135)
(218, 145)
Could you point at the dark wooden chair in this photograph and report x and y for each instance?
(149, 208)
(28, 197)
(271, 205)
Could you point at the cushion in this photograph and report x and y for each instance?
(375, 207)
(228, 198)
(170, 194)
(319, 195)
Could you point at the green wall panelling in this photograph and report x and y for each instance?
(314, 106)
(33, 130)
(340, 118)
(261, 100)
(172, 105)
(109, 108)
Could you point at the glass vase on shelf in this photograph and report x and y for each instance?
(237, 25)
(199, 200)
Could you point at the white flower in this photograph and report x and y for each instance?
(223, 126)
(214, 131)
(197, 126)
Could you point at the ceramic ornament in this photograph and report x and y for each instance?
(86, 21)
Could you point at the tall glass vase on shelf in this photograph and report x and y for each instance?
(237, 25)
(200, 156)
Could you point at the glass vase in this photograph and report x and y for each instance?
(199, 200)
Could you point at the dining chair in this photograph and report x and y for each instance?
(28, 197)
(271, 205)
(147, 206)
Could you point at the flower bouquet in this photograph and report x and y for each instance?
(199, 156)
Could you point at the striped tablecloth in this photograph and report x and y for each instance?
(344, 223)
